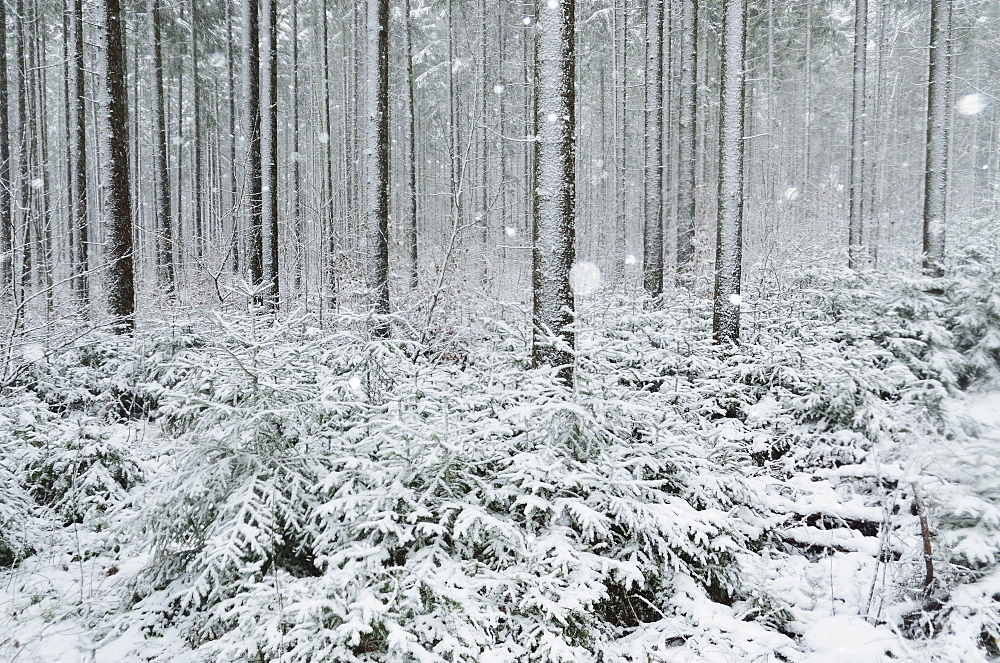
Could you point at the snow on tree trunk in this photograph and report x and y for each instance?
(686, 209)
(554, 202)
(411, 155)
(161, 177)
(729, 225)
(113, 138)
(78, 158)
(938, 117)
(652, 258)
(855, 226)
(6, 212)
(376, 156)
(269, 150)
(251, 129)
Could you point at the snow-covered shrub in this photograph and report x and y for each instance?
(78, 470)
(973, 295)
(18, 534)
(334, 498)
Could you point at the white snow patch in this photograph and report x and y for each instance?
(844, 638)
(585, 278)
(33, 351)
(971, 104)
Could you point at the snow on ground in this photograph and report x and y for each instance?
(65, 604)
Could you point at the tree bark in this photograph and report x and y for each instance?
(411, 154)
(376, 155)
(686, 203)
(269, 150)
(114, 141)
(729, 224)
(652, 258)
(161, 172)
(938, 121)
(251, 120)
(856, 223)
(6, 210)
(555, 195)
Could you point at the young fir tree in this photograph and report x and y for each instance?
(555, 195)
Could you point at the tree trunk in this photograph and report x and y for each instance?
(376, 155)
(555, 190)
(113, 139)
(79, 212)
(938, 120)
(411, 154)
(856, 223)
(269, 149)
(686, 203)
(251, 127)
(196, 144)
(6, 211)
(161, 172)
(729, 225)
(652, 252)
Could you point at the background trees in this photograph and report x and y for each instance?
(462, 173)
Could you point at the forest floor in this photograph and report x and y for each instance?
(840, 576)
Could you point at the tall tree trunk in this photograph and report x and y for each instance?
(729, 228)
(114, 140)
(269, 149)
(298, 223)
(251, 123)
(686, 203)
(196, 143)
(376, 155)
(234, 202)
(855, 227)
(411, 153)
(161, 172)
(555, 157)
(621, 133)
(79, 209)
(652, 245)
(938, 120)
(6, 210)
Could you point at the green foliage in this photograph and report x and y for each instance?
(334, 498)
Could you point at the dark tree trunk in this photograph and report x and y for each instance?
(114, 140)
(251, 128)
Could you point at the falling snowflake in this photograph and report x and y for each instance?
(971, 104)
(354, 383)
(37, 183)
(323, 137)
(584, 278)
(511, 231)
(735, 299)
(527, 20)
(498, 88)
(791, 193)
(630, 260)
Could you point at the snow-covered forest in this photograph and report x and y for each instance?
(620, 331)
